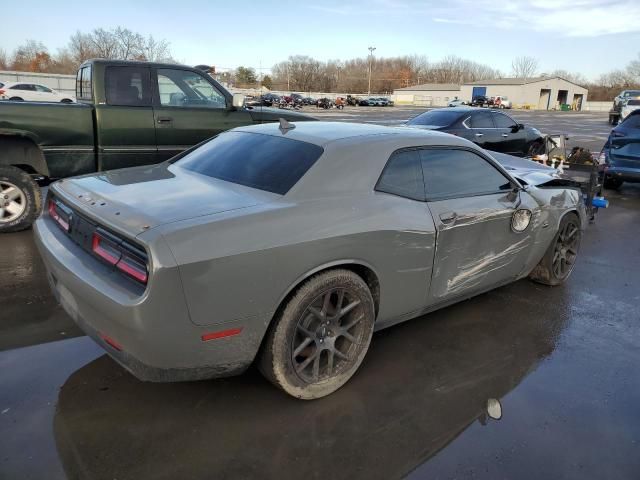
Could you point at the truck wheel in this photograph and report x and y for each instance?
(321, 337)
(66, 100)
(20, 200)
(557, 264)
(17, 99)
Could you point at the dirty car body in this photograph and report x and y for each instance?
(220, 255)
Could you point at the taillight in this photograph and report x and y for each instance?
(58, 213)
(1, 91)
(617, 134)
(125, 257)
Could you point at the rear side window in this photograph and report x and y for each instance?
(265, 162)
(481, 120)
(403, 176)
(459, 173)
(83, 84)
(128, 86)
(632, 121)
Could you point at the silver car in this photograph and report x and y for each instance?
(290, 244)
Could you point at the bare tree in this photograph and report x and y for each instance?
(4, 60)
(524, 67)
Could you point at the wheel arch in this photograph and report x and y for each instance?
(363, 269)
(21, 151)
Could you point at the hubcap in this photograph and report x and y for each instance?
(12, 202)
(328, 336)
(566, 250)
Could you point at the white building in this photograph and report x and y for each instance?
(427, 95)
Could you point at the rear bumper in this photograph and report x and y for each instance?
(624, 174)
(151, 335)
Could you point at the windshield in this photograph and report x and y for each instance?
(633, 102)
(436, 118)
(265, 162)
(632, 93)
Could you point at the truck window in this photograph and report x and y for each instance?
(83, 84)
(183, 88)
(128, 86)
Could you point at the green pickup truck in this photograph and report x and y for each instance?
(128, 114)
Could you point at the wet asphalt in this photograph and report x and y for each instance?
(563, 362)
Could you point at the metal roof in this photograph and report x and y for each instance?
(430, 87)
(518, 81)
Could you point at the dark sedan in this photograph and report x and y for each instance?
(270, 100)
(622, 152)
(489, 129)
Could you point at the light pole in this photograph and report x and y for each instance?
(371, 50)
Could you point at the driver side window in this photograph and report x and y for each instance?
(182, 88)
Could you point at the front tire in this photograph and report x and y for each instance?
(559, 260)
(612, 183)
(17, 99)
(320, 338)
(20, 200)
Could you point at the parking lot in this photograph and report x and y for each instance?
(563, 362)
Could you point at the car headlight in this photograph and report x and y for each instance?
(536, 131)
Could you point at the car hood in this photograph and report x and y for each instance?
(138, 199)
(268, 114)
(528, 171)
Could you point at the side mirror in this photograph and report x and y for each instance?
(517, 127)
(238, 100)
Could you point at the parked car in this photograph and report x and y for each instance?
(480, 101)
(619, 102)
(628, 107)
(129, 113)
(489, 129)
(310, 101)
(352, 101)
(325, 103)
(622, 152)
(32, 92)
(499, 102)
(270, 100)
(456, 102)
(264, 242)
(365, 102)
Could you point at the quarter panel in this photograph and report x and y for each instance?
(241, 264)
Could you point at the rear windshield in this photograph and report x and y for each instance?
(436, 118)
(632, 121)
(265, 162)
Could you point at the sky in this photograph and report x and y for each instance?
(586, 36)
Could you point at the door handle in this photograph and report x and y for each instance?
(164, 120)
(505, 135)
(448, 217)
(478, 134)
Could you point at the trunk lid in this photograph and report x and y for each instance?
(624, 152)
(136, 199)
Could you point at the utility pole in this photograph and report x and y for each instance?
(371, 50)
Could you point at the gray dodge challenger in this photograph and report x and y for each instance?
(290, 244)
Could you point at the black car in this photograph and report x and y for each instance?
(270, 100)
(489, 129)
(622, 152)
(480, 100)
(309, 101)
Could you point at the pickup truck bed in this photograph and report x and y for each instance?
(129, 114)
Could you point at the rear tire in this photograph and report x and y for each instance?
(318, 341)
(66, 100)
(17, 99)
(559, 260)
(20, 200)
